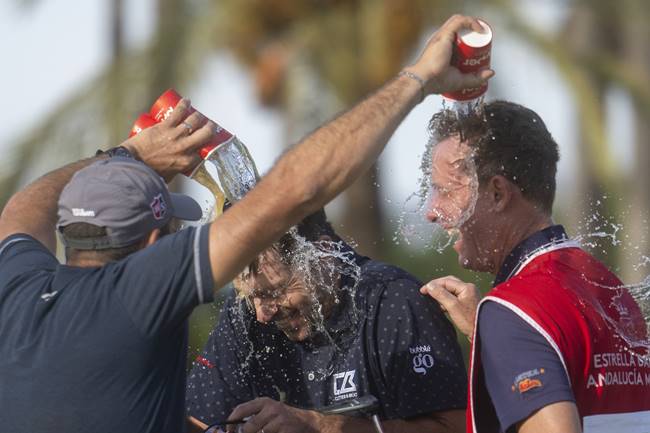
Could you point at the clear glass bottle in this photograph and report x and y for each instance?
(203, 177)
(200, 174)
(235, 167)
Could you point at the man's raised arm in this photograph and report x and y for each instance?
(167, 148)
(326, 162)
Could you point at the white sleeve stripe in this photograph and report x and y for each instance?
(13, 241)
(197, 264)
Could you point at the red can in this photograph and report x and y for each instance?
(163, 107)
(471, 54)
(144, 121)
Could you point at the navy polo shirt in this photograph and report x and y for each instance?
(389, 341)
(98, 349)
(512, 349)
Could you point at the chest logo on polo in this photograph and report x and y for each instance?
(422, 359)
(344, 386)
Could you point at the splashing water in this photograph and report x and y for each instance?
(455, 198)
(645, 261)
(414, 229)
(211, 209)
(635, 342)
(464, 108)
(319, 264)
(590, 239)
(611, 233)
(596, 233)
(641, 293)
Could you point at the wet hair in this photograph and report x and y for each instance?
(312, 228)
(510, 140)
(91, 231)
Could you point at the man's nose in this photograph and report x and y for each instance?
(433, 212)
(432, 215)
(265, 311)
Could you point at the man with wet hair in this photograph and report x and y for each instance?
(551, 349)
(99, 344)
(314, 324)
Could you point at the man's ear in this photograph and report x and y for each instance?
(501, 192)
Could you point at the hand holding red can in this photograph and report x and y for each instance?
(165, 104)
(472, 53)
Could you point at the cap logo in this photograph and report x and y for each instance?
(158, 207)
(80, 212)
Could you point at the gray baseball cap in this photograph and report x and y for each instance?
(126, 197)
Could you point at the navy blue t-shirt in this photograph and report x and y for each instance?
(512, 351)
(98, 349)
(398, 347)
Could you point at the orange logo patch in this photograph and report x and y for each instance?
(528, 380)
(528, 384)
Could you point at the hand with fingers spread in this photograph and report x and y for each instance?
(172, 146)
(271, 416)
(433, 65)
(457, 298)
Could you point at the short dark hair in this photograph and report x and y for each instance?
(91, 231)
(507, 139)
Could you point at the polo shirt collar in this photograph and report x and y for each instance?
(549, 237)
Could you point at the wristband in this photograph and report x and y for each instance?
(116, 151)
(417, 78)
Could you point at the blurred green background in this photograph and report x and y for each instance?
(273, 70)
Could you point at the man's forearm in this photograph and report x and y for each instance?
(165, 147)
(33, 210)
(308, 176)
(328, 160)
(335, 154)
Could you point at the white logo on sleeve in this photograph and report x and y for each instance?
(344, 386)
(48, 296)
(422, 359)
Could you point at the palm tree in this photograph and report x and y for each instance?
(314, 57)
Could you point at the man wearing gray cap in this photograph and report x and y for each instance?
(99, 344)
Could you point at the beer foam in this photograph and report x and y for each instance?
(475, 39)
